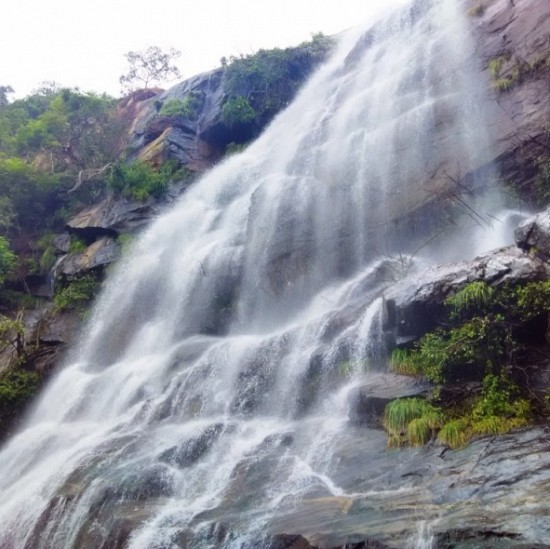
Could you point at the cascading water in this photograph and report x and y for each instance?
(209, 403)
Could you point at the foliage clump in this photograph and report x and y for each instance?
(77, 293)
(258, 86)
(410, 421)
(188, 107)
(140, 180)
(505, 80)
(482, 341)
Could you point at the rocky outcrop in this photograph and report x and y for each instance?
(111, 216)
(534, 234)
(368, 402)
(195, 141)
(100, 253)
(414, 306)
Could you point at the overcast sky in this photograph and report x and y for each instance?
(81, 43)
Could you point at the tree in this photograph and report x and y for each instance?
(4, 92)
(148, 66)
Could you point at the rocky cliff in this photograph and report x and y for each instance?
(513, 44)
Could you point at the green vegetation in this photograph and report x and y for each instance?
(189, 107)
(46, 140)
(238, 112)
(12, 334)
(258, 86)
(77, 293)
(77, 245)
(235, 148)
(125, 241)
(483, 341)
(410, 421)
(16, 387)
(505, 79)
(472, 297)
(7, 260)
(139, 180)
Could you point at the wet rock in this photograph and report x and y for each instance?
(368, 403)
(414, 306)
(535, 233)
(285, 541)
(479, 538)
(190, 451)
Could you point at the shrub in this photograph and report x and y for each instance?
(258, 86)
(189, 107)
(77, 293)
(403, 362)
(7, 260)
(12, 333)
(235, 148)
(488, 332)
(77, 245)
(139, 180)
(16, 387)
(237, 111)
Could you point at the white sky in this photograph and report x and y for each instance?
(81, 43)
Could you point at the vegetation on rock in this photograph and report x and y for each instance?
(77, 292)
(485, 340)
(258, 86)
(188, 107)
(139, 180)
(507, 71)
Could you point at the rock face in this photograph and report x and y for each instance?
(196, 141)
(493, 493)
(515, 35)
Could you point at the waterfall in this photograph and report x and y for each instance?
(208, 404)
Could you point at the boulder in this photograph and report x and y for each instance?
(367, 403)
(535, 233)
(102, 252)
(62, 242)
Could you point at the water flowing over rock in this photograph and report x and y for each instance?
(209, 404)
